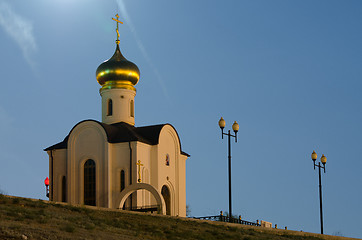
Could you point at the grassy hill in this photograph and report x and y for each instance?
(22, 218)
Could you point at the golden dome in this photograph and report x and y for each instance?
(118, 72)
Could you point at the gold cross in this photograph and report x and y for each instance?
(117, 16)
(139, 170)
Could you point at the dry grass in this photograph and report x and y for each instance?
(22, 218)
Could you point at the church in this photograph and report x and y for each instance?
(113, 163)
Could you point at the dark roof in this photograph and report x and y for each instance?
(123, 132)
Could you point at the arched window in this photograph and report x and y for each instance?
(90, 182)
(122, 180)
(109, 107)
(132, 108)
(64, 189)
(167, 197)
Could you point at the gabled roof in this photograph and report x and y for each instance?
(122, 132)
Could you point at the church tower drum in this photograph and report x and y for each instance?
(118, 76)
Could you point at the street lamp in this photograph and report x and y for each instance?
(323, 160)
(235, 128)
(46, 182)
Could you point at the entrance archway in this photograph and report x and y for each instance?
(138, 186)
(167, 197)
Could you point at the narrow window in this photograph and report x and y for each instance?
(64, 189)
(167, 160)
(109, 107)
(122, 180)
(90, 182)
(132, 108)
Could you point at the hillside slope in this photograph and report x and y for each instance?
(22, 218)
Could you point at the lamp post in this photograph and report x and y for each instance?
(323, 161)
(235, 128)
(46, 182)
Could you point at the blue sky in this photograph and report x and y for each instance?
(288, 71)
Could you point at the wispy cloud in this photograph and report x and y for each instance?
(20, 30)
(125, 16)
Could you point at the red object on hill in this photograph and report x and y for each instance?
(46, 181)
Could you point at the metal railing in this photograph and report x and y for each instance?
(222, 218)
(149, 208)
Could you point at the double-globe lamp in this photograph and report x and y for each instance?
(323, 161)
(235, 128)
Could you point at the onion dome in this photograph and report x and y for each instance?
(118, 72)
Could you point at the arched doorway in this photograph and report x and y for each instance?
(90, 183)
(167, 197)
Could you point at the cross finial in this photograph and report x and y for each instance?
(117, 16)
(139, 170)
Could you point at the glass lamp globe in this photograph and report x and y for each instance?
(236, 127)
(323, 159)
(222, 123)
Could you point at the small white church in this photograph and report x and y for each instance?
(114, 164)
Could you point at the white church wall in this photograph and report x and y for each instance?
(153, 171)
(146, 195)
(144, 156)
(120, 160)
(154, 168)
(182, 185)
(134, 171)
(88, 141)
(59, 170)
(168, 174)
